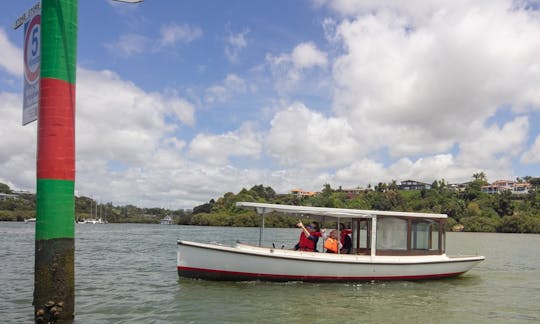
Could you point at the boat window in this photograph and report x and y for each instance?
(391, 233)
(421, 235)
(434, 236)
(442, 239)
(364, 237)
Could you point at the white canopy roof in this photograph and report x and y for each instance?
(333, 212)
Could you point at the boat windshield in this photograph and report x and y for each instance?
(391, 233)
(413, 236)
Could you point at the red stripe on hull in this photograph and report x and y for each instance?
(56, 130)
(242, 276)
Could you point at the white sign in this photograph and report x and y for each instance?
(32, 64)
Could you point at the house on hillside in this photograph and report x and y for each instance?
(5, 196)
(459, 187)
(302, 193)
(413, 185)
(501, 186)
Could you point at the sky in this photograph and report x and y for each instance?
(179, 102)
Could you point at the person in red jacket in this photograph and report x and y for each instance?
(345, 239)
(308, 237)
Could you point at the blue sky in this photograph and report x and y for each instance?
(179, 102)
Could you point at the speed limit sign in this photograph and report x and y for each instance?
(32, 49)
(32, 64)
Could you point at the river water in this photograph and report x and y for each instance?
(126, 273)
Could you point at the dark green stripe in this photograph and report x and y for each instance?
(55, 209)
(59, 39)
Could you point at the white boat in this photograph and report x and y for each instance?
(386, 245)
(91, 221)
(167, 220)
(30, 220)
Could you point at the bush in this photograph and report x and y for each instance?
(479, 224)
(450, 222)
(519, 224)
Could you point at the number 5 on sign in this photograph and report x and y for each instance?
(32, 64)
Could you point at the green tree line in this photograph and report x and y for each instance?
(23, 206)
(468, 210)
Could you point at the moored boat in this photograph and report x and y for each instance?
(91, 221)
(386, 245)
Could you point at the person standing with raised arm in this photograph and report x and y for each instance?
(308, 237)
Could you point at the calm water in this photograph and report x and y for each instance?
(127, 274)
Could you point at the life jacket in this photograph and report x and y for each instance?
(331, 244)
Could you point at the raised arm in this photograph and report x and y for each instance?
(306, 232)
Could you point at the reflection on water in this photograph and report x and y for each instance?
(127, 273)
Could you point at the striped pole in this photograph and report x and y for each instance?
(54, 282)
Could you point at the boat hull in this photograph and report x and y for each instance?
(244, 263)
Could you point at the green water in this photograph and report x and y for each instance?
(127, 274)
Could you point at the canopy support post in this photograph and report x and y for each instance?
(260, 211)
(338, 235)
(373, 235)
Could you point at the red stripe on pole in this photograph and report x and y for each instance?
(56, 130)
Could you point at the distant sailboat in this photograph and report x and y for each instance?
(94, 213)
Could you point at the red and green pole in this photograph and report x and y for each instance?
(54, 282)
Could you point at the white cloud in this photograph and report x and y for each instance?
(427, 169)
(231, 86)
(419, 80)
(11, 56)
(173, 33)
(217, 149)
(126, 149)
(120, 120)
(361, 173)
(307, 55)
(299, 136)
(533, 154)
(422, 90)
(495, 145)
(18, 147)
(235, 43)
(289, 68)
(130, 44)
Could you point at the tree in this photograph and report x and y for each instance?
(4, 188)
(535, 182)
(473, 190)
(327, 190)
(503, 205)
(393, 186)
(204, 208)
(381, 187)
(480, 177)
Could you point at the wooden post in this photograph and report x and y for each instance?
(54, 281)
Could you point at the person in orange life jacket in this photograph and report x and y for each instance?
(308, 237)
(345, 239)
(331, 243)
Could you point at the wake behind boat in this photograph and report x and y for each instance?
(386, 245)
